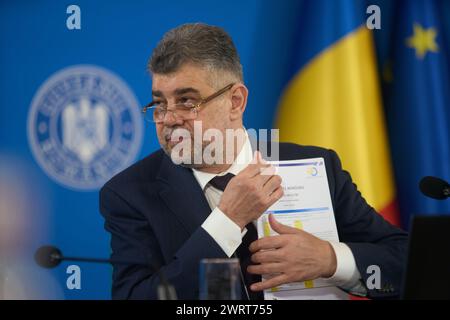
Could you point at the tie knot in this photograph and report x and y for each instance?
(220, 182)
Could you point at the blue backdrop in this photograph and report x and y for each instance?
(118, 36)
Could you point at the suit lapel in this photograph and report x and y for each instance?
(182, 194)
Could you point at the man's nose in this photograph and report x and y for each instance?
(170, 119)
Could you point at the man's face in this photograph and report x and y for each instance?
(190, 83)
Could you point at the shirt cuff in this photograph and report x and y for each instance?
(224, 231)
(347, 275)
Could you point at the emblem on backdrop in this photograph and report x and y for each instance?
(84, 125)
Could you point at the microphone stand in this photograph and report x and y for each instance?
(165, 290)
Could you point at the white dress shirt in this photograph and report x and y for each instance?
(228, 234)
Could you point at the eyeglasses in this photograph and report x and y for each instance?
(156, 111)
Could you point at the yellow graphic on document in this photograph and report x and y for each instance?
(266, 228)
(309, 284)
(298, 224)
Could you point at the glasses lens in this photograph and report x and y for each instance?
(181, 111)
(158, 114)
(148, 114)
(186, 111)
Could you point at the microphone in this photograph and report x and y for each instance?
(50, 257)
(435, 188)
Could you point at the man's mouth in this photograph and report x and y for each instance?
(171, 142)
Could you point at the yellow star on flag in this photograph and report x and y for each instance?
(423, 40)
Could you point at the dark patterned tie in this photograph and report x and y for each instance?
(242, 252)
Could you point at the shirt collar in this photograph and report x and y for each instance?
(242, 160)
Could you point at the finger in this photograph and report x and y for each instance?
(281, 228)
(257, 158)
(267, 256)
(266, 268)
(254, 169)
(270, 283)
(266, 173)
(276, 195)
(272, 184)
(267, 243)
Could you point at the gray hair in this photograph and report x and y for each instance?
(198, 43)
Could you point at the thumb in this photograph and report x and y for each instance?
(281, 228)
(258, 158)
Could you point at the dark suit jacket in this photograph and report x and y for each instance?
(154, 211)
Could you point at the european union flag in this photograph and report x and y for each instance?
(419, 110)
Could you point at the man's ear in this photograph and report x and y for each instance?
(239, 94)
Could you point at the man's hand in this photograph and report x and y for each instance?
(251, 192)
(294, 255)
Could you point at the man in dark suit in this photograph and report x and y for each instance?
(192, 200)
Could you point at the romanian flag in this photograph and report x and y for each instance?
(333, 98)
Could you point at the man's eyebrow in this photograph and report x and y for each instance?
(180, 91)
(177, 92)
